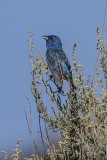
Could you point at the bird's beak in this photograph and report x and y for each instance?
(45, 37)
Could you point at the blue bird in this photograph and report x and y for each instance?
(57, 61)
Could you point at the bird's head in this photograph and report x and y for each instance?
(53, 41)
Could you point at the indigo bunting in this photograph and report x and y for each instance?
(57, 61)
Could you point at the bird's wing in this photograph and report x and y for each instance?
(66, 68)
(55, 67)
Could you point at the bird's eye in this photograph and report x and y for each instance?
(51, 38)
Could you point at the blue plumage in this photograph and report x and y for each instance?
(57, 61)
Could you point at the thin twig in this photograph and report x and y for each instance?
(41, 134)
(30, 131)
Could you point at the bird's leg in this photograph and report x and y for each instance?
(60, 91)
(50, 78)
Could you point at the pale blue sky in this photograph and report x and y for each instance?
(71, 20)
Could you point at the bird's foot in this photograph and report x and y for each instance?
(60, 91)
(50, 78)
